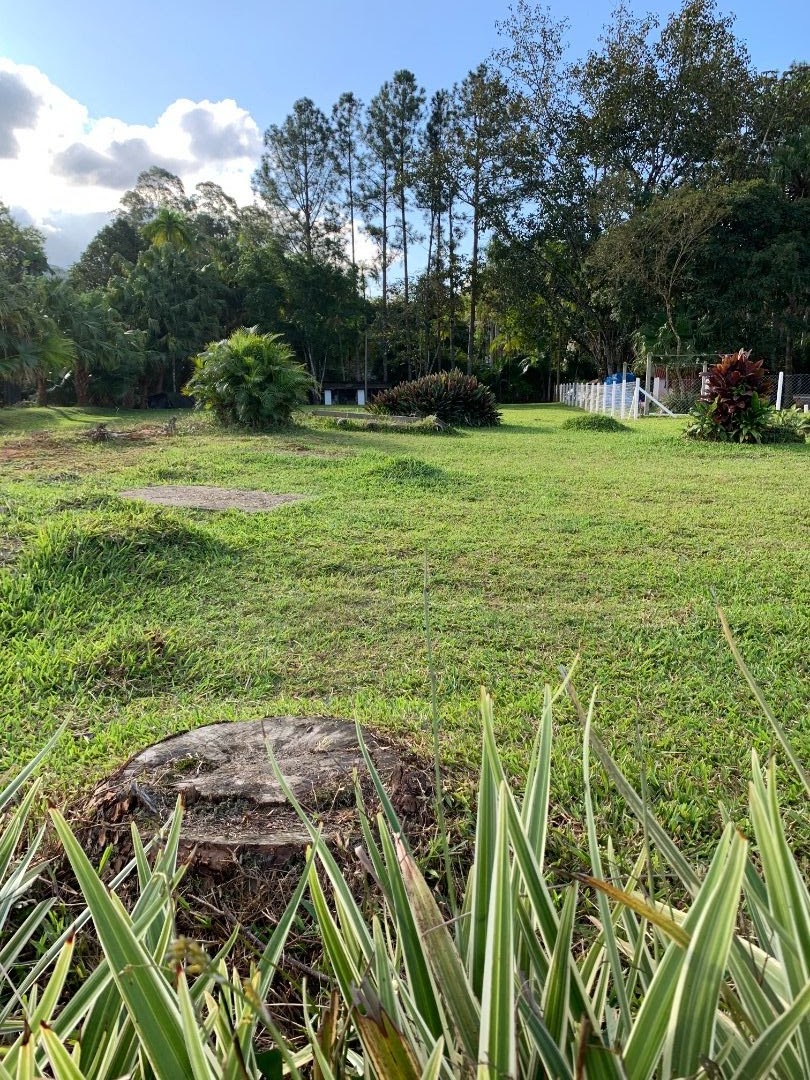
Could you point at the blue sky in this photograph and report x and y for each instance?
(131, 61)
(102, 90)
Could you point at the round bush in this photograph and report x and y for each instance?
(249, 379)
(594, 422)
(454, 398)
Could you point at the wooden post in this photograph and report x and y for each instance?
(780, 385)
(635, 400)
(613, 399)
(624, 390)
(648, 375)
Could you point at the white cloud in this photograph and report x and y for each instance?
(65, 170)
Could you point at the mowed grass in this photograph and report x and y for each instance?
(131, 622)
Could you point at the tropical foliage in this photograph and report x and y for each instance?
(734, 405)
(249, 379)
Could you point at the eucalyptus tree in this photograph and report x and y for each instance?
(155, 188)
(298, 179)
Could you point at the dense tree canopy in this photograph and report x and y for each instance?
(653, 194)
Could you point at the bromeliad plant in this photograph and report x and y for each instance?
(452, 397)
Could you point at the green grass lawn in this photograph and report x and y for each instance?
(132, 622)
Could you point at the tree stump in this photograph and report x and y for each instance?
(235, 809)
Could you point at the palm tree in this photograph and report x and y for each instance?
(168, 227)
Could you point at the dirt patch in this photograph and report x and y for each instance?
(236, 811)
(210, 498)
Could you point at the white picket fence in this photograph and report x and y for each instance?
(628, 400)
(623, 400)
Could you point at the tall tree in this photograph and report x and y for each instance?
(376, 195)
(434, 192)
(177, 303)
(155, 188)
(609, 132)
(407, 101)
(22, 248)
(347, 123)
(114, 246)
(298, 180)
(482, 139)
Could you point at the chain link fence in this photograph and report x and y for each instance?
(678, 385)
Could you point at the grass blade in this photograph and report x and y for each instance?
(778, 730)
(142, 986)
(497, 1052)
(694, 1008)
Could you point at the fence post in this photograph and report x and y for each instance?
(780, 384)
(613, 399)
(648, 375)
(624, 391)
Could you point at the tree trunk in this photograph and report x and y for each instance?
(42, 390)
(81, 377)
(406, 320)
(787, 386)
(473, 292)
(451, 250)
(426, 300)
(385, 279)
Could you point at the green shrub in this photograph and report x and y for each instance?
(789, 425)
(250, 380)
(454, 398)
(594, 422)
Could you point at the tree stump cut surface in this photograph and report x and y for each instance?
(234, 805)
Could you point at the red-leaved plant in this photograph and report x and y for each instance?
(735, 385)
